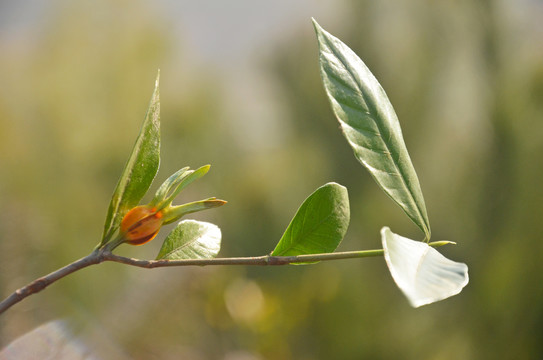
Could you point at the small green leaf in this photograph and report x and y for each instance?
(370, 125)
(319, 224)
(191, 239)
(140, 169)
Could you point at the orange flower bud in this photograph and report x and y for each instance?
(141, 225)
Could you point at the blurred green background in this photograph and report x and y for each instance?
(240, 89)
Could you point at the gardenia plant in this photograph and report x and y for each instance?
(371, 128)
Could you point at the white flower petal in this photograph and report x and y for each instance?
(420, 271)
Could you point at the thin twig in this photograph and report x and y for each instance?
(254, 261)
(100, 255)
(41, 283)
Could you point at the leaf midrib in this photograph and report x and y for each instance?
(309, 232)
(372, 112)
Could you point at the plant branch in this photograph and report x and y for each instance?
(251, 261)
(101, 255)
(41, 283)
(264, 260)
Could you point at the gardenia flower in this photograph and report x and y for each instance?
(142, 223)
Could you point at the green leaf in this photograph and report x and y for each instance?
(140, 169)
(191, 239)
(370, 125)
(319, 224)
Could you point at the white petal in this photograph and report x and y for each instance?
(420, 271)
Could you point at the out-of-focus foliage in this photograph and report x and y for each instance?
(466, 80)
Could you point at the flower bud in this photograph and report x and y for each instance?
(141, 225)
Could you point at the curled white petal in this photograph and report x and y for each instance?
(420, 271)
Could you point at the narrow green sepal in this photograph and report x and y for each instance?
(174, 213)
(167, 192)
(187, 180)
(168, 185)
(441, 243)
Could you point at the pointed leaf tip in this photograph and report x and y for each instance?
(420, 271)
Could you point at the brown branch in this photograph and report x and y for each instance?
(253, 261)
(100, 255)
(41, 283)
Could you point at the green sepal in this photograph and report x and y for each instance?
(175, 184)
(174, 213)
(168, 185)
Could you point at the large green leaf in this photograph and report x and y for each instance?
(370, 125)
(319, 224)
(140, 169)
(191, 239)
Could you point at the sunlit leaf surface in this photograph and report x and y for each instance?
(420, 271)
(140, 169)
(370, 125)
(192, 239)
(319, 225)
